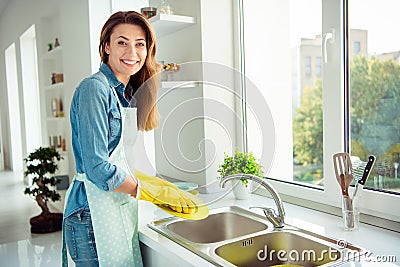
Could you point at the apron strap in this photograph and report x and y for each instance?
(80, 177)
(64, 249)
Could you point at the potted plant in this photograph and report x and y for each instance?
(241, 162)
(40, 164)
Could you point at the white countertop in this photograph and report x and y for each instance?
(382, 243)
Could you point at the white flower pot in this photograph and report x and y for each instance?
(239, 190)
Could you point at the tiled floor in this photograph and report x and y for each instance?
(18, 247)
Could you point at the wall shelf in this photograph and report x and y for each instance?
(178, 84)
(165, 24)
(55, 52)
(55, 86)
(56, 119)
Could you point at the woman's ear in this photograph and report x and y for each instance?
(107, 49)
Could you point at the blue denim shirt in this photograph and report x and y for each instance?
(96, 131)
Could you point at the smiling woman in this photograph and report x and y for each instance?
(106, 112)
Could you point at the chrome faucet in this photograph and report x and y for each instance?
(277, 220)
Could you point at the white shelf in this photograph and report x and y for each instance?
(57, 119)
(53, 53)
(165, 24)
(178, 84)
(54, 86)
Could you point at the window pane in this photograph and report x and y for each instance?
(375, 88)
(305, 28)
(283, 58)
(318, 66)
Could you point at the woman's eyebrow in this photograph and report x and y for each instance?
(125, 38)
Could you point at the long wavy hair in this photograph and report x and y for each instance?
(146, 78)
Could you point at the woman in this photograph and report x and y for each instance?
(100, 217)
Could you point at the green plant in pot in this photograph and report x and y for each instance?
(241, 162)
(40, 164)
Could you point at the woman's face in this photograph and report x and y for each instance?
(126, 51)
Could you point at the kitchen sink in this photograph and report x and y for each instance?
(282, 247)
(232, 236)
(216, 227)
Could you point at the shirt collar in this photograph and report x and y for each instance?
(113, 81)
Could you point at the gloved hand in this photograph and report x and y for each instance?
(162, 192)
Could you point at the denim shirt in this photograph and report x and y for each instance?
(96, 131)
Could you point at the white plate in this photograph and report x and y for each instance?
(185, 186)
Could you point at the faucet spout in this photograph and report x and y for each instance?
(277, 220)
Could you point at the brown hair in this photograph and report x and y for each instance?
(147, 113)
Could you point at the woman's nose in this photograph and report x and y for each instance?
(132, 50)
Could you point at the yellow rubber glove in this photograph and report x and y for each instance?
(162, 192)
(153, 179)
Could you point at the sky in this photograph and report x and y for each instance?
(379, 17)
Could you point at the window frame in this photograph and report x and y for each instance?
(335, 123)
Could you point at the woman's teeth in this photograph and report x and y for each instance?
(129, 62)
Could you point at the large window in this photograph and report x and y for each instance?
(293, 88)
(320, 108)
(375, 89)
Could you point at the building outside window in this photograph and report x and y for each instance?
(308, 66)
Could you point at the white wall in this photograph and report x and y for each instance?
(31, 101)
(18, 16)
(73, 22)
(13, 97)
(1, 148)
(191, 149)
(222, 119)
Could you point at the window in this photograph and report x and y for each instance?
(291, 89)
(375, 90)
(13, 108)
(30, 88)
(308, 65)
(306, 104)
(356, 48)
(318, 67)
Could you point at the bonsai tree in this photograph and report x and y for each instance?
(40, 164)
(241, 162)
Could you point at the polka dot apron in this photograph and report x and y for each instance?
(114, 214)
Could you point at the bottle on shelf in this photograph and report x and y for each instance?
(60, 112)
(56, 42)
(165, 8)
(63, 145)
(54, 107)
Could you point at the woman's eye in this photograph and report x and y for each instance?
(121, 43)
(140, 44)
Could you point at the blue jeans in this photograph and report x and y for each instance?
(79, 238)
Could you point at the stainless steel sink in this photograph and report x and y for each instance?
(282, 247)
(232, 236)
(217, 227)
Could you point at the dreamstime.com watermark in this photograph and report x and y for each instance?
(341, 253)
